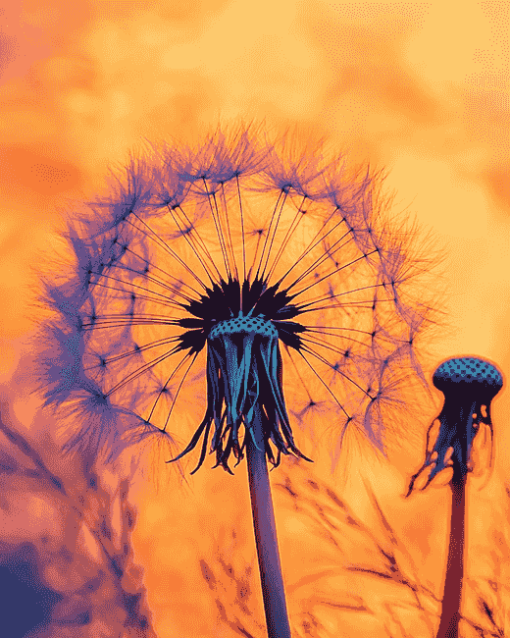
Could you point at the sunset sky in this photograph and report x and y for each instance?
(420, 89)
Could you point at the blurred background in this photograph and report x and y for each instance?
(420, 89)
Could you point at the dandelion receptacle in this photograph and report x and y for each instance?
(233, 287)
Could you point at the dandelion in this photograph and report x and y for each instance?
(267, 270)
(469, 385)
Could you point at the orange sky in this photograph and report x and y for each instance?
(419, 88)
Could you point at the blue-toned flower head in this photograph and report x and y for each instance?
(469, 384)
(227, 276)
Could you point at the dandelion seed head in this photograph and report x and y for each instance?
(484, 378)
(469, 384)
(225, 275)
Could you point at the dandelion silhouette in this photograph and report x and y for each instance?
(270, 269)
(469, 385)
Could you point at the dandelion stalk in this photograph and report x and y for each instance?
(273, 592)
(452, 593)
(267, 270)
(469, 384)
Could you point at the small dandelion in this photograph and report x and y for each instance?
(469, 384)
(269, 271)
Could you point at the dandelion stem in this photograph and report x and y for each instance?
(450, 615)
(265, 534)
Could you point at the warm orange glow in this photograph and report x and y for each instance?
(420, 89)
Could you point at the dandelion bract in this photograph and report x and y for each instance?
(289, 246)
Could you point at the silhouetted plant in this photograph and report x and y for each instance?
(469, 385)
(272, 272)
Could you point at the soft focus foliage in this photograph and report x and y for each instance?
(66, 559)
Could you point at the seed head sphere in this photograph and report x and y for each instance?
(214, 279)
